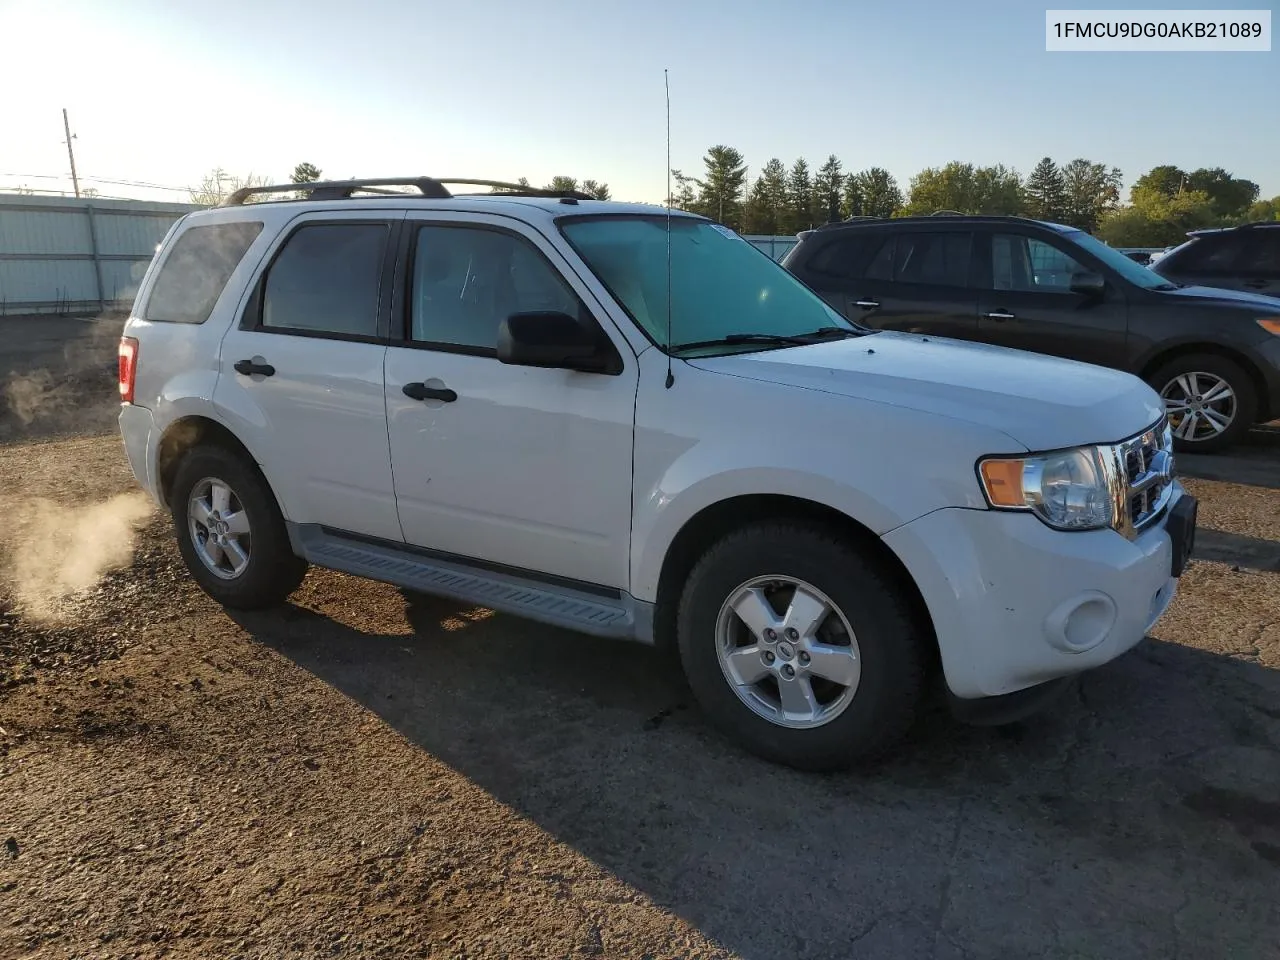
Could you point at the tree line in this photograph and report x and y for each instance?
(1163, 204)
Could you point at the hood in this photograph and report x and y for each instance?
(1041, 402)
(1263, 305)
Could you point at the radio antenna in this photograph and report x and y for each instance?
(666, 83)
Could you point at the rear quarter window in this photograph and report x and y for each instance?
(196, 270)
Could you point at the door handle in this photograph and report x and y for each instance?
(867, 304)
(249, 368)
(420, 391)
(1000, 315)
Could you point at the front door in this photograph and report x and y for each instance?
(301, 372)
(525, 467)
(1027, 303)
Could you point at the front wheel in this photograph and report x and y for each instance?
(799, 648)
(1209, 400)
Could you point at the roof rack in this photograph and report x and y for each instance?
(1260, 223)
(431, 188)
(948, 213)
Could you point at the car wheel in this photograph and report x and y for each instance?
(1210, 401)
(797, 646)
(230, 531)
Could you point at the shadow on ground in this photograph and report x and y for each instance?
(1139, 817)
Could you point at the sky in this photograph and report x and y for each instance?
(163, 91)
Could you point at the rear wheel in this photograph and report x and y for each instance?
(230, 531)
(1210, 401)
(799, 648)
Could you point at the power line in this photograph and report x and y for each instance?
(93, 179)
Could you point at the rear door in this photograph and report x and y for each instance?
(917, 281)
(301, 372)
(1027, 302)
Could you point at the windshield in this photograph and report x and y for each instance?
(721, 286)
(1135, 273)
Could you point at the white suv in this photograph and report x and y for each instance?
(631, 423)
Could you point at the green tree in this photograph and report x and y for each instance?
(964, 188)
(1229, 196)
(826, 190)
(305, 173)
(1092, 191)
(799, 199)
(720, 191)
(683, 196)
(1046, 192)
(1262, 210)
(1165, 179)
(851, 200)
(1154, 219)
(562, 184)
(878, 191)
(598, 190)
(766, 207)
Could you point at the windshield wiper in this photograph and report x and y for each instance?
(793, 340)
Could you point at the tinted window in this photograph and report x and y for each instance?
(1215, 254)
(1029, 265)
(467, 281)
(326, 279)
(1262, 257)
(842, 258)
(881, 265)
(933, 259)
(196, 271)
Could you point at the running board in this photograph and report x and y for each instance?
(621, 617)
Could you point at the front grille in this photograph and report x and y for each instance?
(1147, 464)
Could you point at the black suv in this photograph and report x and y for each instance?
(1238, 258)
(1212, 354)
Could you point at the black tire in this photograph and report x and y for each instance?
(274, 570)
(1242, 385)
(890, 643)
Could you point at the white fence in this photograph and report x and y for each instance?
(62, 255)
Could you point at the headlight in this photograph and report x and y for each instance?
(1068, 490)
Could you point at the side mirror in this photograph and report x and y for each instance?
(1088, 284)
(551, 339)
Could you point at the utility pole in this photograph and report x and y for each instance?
(66, 126)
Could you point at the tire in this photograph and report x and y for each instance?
(270, 570)
(1203, 372)
(877, 709)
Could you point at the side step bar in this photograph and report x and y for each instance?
(622, 617)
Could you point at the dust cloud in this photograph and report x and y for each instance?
(53, 553)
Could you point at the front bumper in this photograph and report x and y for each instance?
(1015, 603)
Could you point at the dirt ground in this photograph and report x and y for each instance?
(370, 773)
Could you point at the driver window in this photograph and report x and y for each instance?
(467, 280)
(1027, 265)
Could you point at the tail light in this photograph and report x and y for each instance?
(128, 368)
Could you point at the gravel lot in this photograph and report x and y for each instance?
(370, 773)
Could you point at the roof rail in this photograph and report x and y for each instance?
(948, 213)
(431, 188)
(1260, 223)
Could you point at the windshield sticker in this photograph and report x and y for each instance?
(725, 231)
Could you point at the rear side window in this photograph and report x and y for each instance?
(1262, 258)
(1215, 254)
(930, 259)
(196, 271)
(843, 259)
(326, 280)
